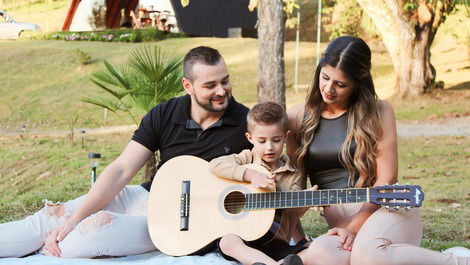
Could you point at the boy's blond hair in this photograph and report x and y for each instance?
(266, 113)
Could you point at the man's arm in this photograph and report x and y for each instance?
(111, 181)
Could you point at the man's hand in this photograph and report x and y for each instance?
(346, 236)
(259, 180)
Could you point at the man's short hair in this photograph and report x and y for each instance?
(267, 113)
(202, 54)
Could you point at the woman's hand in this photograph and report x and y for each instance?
(259, 180)
(346, 236)
(55, 236)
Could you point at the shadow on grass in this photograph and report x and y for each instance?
(461, 86)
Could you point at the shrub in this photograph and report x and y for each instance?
(110, 35)
(83, 57)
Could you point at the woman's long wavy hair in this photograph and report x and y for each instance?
(353, 57)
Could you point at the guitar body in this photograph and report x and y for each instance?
(212, 210)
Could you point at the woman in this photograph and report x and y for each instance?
(344, 136)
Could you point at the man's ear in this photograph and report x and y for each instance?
(188, 87)
(248, 136)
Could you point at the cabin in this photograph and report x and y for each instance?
(202, 18)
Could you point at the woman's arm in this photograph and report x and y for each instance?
(387, 172)
(294, 117)
(111, 181)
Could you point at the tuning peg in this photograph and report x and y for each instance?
(408, 208)
(386, 184)
(397, 208)
(397, 184)
(407, 184)
(387, 207)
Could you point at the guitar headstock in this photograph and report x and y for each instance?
(397, 196)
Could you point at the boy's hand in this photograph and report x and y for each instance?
(259, 180)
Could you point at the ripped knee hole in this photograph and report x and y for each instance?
(92, 223)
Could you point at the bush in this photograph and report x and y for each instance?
(110, 35)
(83, 57)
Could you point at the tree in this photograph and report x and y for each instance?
(271, 74)
(147, 79)
(408, 28)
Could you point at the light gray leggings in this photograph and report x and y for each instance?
(119, 229)
(386, 238)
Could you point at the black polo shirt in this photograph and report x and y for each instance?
(168, 127)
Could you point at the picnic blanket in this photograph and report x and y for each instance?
(150, 258)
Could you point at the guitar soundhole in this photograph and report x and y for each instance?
(234, 202)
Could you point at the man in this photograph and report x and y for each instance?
(111, 218)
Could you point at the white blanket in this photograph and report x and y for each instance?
(152, 258)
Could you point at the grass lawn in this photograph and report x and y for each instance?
(41, 83)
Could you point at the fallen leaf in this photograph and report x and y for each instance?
(184, 3)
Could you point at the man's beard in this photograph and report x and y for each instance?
(208, 106)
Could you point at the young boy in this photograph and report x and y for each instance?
(267, 131)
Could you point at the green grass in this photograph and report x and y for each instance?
(439, 166)
(41, 82)
(34, 169)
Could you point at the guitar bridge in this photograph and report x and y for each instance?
(184, 207)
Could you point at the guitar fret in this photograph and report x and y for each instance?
(349, 197)
(323, 197)
(362, 197)
(295, 198)
(316, 197)
(263, 200)
(289, 199)
(247, 199)
(333, 197)
(272, 197)
(302, 198)
(268, 200)
(341, 196)
(309, 198)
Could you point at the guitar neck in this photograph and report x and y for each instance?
(304, 198)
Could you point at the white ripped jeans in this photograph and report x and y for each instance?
(119, 229)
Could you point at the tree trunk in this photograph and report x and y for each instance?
(416, 73)
(271, 76)
(408, 43)
(150, 167)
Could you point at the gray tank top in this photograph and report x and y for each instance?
(322, 162)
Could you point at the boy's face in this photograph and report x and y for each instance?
(268, 141)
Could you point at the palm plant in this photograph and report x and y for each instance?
(135, 88)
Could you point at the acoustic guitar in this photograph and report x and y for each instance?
(189, 207)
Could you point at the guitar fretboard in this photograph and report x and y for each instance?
(292, 199)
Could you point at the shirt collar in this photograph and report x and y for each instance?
(231, 115)
(284, 159)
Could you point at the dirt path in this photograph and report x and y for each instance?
(449, 127)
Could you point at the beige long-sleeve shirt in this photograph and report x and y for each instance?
(287, 178)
